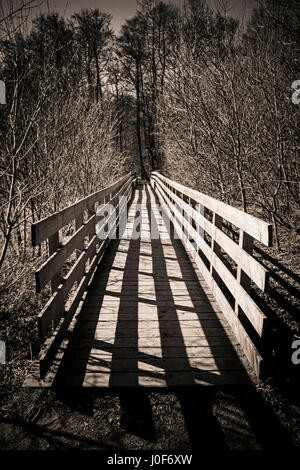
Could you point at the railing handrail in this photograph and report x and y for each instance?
(257, 228)
(59, 310)
(191, 224)
(44, 228)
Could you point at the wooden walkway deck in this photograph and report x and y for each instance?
(149, 318)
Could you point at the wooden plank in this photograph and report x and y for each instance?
(216, 248)
(133, 296)
(112, 201)
(257, 318)
(53, 247)
(146, 379)
(150, 289)
(50, 347)
(53, 264)
(143, 309)
(257, 228)
(165, 303)
(246, 243)
(54, 308)
(172, 341)
(52, 344)
(243, 258)
(205, 318)
(101, 331)
(78, 225)
(49, 225)
(252, 354)
(145, 323)
(104, 364)
(80, 351)
(212, 358)
(148, 283)
(250, 350)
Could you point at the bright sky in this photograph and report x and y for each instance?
(125, 9)
(120, 9)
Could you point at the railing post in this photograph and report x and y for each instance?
(246, 243)
(201, 209)
(218, 222)
(89, 237)
(117, 215)
(95, 207)
(189, 220)
(233, 293)
(78, 224)
(97, 204)
(53, 245)
(182, 215)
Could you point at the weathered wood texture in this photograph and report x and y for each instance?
(227, 266)
(46, 227)
(67, 291)
(167, 304)
(148, 318)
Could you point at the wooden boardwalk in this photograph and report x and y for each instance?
(148, 317)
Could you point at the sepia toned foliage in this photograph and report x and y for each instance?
(187, 91)
(227, 118)
(57, 142)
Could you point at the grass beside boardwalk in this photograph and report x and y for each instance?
(230, 418)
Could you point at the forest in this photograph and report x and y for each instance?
(192, 92)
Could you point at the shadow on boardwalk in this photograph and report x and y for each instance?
(148, 318)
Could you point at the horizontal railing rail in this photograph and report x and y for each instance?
(67, 291)
(227, 265)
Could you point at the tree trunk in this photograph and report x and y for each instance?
(138, 123)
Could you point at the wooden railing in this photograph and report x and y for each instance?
(67, 290)
(203, 225)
